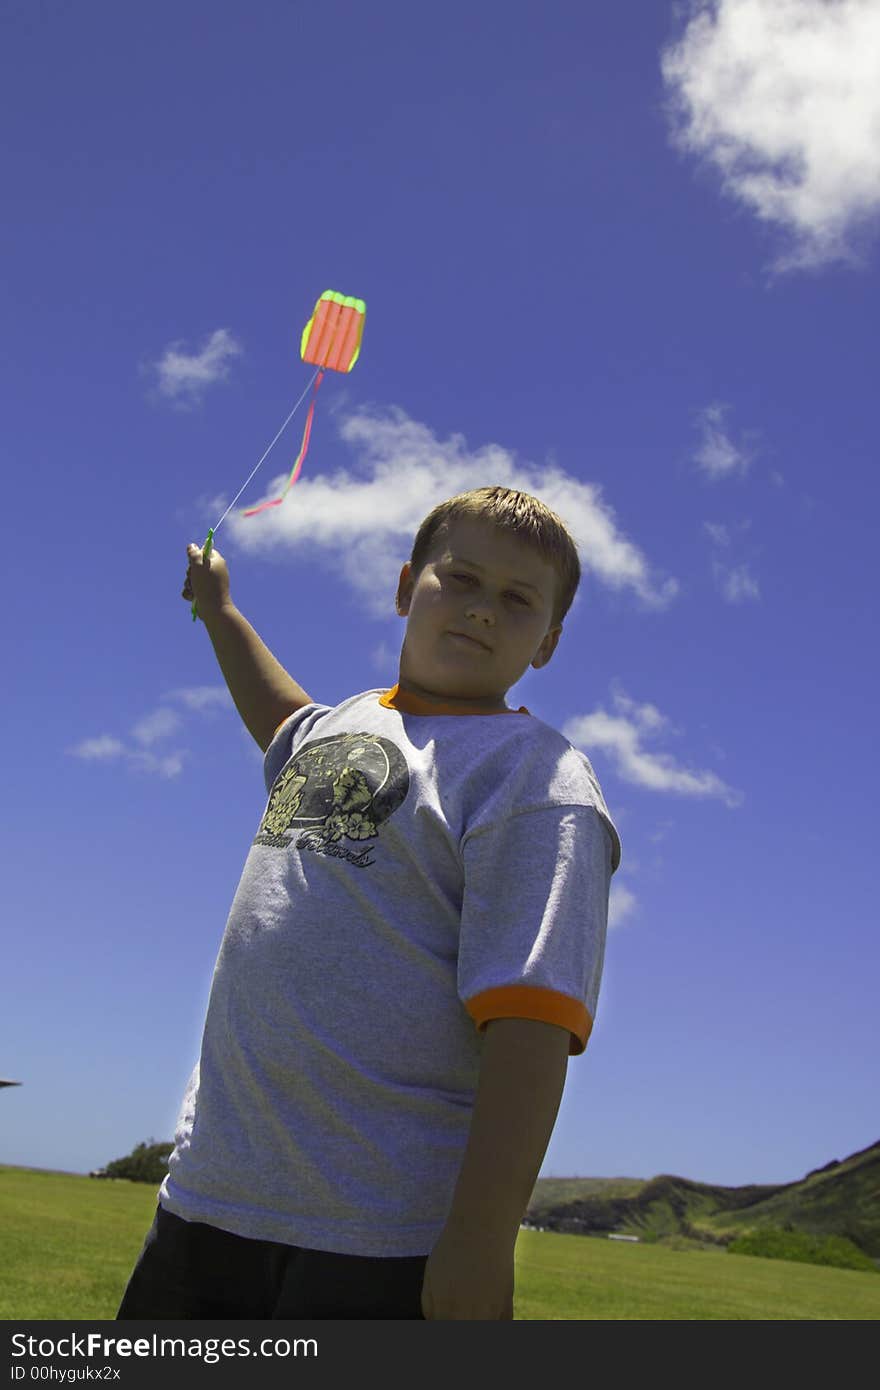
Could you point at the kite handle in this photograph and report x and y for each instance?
(206, 551)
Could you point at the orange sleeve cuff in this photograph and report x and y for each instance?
(533, 1001)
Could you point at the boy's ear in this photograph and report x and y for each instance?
(404, 590)
(547, 648)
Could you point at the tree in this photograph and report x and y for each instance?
(147, 1162)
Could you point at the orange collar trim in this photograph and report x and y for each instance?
(408, 703)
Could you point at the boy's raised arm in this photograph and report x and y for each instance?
(263, 692)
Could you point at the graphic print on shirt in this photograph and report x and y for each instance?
(342, 787)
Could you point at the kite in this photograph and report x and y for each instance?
(330, 340)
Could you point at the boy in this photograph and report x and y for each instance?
(414, 950)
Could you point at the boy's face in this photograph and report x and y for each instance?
(490, 587)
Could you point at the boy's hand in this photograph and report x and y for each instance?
(206, 581)
(469, 1278)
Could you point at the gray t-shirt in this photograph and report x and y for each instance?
(413, 876)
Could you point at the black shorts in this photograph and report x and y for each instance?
(189, 1270)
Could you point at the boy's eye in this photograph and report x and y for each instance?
(468, 577)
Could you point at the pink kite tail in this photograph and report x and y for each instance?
(300, 458)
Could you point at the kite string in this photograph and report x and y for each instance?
(298, 463)
(268, 451)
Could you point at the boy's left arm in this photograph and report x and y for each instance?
(469, 1273)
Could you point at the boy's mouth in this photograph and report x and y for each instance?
(473, 641)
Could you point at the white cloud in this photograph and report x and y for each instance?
(168, 766)
(107, 749)
(716, 455)
(657, 836)
(718, 531)
(783, 98)
(647, 717)
(185, 376)
(737, 583)
(621, 904)
(621, 737)
(385, 658)
(201, 697)
(101, 749)
(159, 724)
(364, 520)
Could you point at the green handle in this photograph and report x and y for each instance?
(206, 551)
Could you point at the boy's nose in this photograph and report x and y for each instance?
(481, 613)
(481, 628)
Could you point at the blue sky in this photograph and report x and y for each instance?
(624, 257)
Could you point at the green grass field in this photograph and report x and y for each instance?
(68, 1245)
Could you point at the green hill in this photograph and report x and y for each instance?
(840, 1199)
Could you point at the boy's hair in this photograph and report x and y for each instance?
(516, 512)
